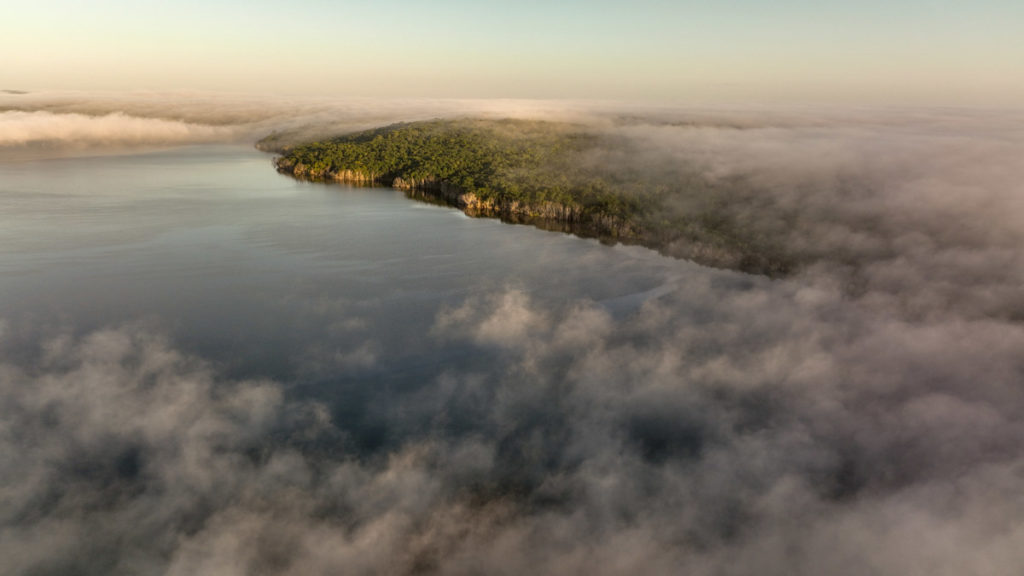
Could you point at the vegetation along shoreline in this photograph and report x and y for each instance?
(552, 175)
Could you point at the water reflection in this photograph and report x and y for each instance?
(330, 287)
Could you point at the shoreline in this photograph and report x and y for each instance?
(549, 216)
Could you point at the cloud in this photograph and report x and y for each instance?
(888, 203)
(742, 431)
(46, 128)
(862, 416)
(724, 428)
(105, 119)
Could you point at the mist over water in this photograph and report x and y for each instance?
(63, 123)
(209, 368)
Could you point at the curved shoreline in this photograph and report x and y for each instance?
(550, 216)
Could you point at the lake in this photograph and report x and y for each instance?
(328, 288)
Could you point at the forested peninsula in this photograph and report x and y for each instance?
(554, 175)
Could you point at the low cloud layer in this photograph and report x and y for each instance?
(925, 208)
(864, 416)
(68, 119)
(48, 129)
(727, 427)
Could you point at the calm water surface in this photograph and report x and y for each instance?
(328, 288)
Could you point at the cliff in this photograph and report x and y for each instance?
(571, 218)
(543, 174)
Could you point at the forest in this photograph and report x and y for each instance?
(555, 175)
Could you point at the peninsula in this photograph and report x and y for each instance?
(554, 175)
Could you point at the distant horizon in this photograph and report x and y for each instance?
(703, 98)
(575, 103)
(919, 52)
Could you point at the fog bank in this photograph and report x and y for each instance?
(45, 128)
(863, 416)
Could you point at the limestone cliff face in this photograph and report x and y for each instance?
(574, 218)
(354, 177)
(555, 216)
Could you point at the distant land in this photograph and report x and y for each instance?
(13, 91)
(554, 175)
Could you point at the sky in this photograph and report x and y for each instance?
(943, 52)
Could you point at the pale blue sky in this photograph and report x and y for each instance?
(934, 51)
